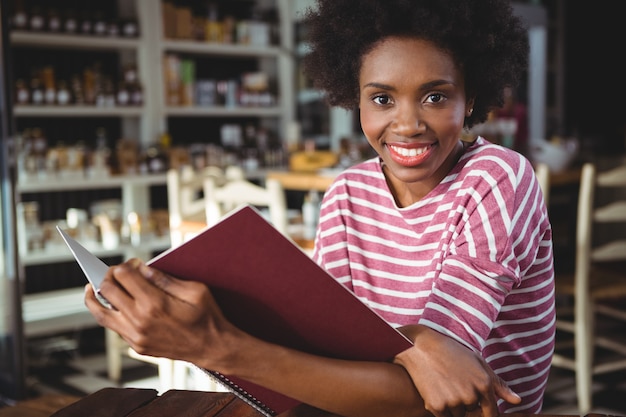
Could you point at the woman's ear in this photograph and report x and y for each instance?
(469, 107)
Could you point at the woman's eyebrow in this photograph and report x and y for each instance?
(378, 85)
(426, 86)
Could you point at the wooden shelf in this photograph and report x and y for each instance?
(220, 49)
(194, 111)
(76, 111)
(41, 39)
(77, 184)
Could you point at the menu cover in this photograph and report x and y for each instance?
(267, 286)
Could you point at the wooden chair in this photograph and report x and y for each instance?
(185, 200)
(596, 290)
(235, 192)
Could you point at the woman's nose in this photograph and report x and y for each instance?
(407, 121)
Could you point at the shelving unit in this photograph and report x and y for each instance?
(272, 59)
(326, 125)
(59, 310)
(62, 310)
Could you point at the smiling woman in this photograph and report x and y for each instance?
(443, 238)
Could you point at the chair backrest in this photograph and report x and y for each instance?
(185, 197)
(596, 286)
(612, 211)
(591, 215)
(235, 192)
(542, 172)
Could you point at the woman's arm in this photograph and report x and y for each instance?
(451, 378)
(162, 316)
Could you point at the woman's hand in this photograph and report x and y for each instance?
(451, 379)
(162, 316)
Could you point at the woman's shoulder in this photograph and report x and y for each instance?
(484, 160)
(482, 154)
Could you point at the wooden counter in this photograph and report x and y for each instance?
(139, 402)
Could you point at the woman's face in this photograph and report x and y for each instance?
(412, 106)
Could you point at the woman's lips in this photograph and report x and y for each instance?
(409, 155)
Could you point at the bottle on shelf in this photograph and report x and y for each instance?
(135, 90)
(49, 85)
(156, 159)
(22, 93)
(37, 20)
(20, 19)
(39, 148)
(130, 28)
(72, 160)
(105, 93)
(63, 96)
(86, 23)
(30, 232)
(89, 86)
(26, 166)
(70, 25)
(54, 23)
(36, 90)
(229, 26)
(136, 94)
(213, 31)
(122, 98)
(99, 24)
(156, 156)
(100, 159)
(113, 28)
(76, 90)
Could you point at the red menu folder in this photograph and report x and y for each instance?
(267, 286)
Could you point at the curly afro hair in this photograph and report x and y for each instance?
(486, 40)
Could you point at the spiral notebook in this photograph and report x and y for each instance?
(267, 286)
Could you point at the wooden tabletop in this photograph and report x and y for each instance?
(303, 180)
(144, 402)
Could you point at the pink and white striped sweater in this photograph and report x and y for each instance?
(472, 259)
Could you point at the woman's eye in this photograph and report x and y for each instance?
(435, 98)
(381, 100)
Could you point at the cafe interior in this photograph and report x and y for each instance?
(134, 157)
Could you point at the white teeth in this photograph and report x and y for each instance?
(408, 152)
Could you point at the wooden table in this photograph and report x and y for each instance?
(303, 180)
(143, 402)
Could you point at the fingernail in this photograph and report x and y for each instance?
(146, 270)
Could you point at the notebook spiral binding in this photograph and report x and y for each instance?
(239, 392)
